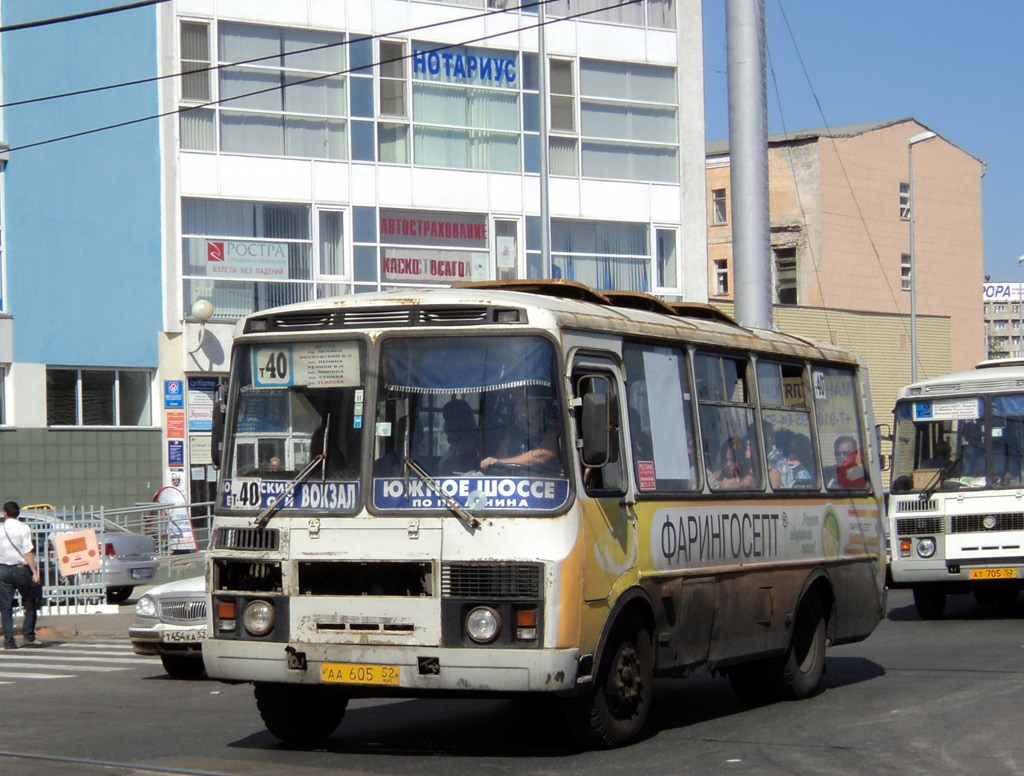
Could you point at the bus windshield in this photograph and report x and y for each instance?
(959, 443)
(470, 419)
(476, 416)
(296, 405)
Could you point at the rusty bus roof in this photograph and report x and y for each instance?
(567, 304)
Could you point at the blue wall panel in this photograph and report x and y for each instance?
(83, 219)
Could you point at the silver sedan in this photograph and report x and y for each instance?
(170, 621)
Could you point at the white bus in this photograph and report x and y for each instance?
(956, 523)
(534, 488)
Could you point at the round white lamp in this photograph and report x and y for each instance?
(202, 310)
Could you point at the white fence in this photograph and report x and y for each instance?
(179, 534)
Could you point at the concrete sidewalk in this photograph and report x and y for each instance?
(68, 627)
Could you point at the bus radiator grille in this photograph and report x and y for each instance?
(246, 539)
(928, 505)
(494, 581)
(915, 526)
(1005, 521)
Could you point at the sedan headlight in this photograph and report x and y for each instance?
(146, 607)
(258, 618)
(926, 547)
(483, 624)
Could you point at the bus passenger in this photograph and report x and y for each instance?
(734, 471)
(849, 468)
(799, 454)
(779, 474)
(463, 442)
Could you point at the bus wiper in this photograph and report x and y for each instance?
(263, 517)
(938, 477)
(456, 508)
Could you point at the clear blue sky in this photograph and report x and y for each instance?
(955, 65)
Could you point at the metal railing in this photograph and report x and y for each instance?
(175, 530)
(180, 535)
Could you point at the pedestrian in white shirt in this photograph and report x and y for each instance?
(17, 573)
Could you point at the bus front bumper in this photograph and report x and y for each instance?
(959, 575)
(387, 670)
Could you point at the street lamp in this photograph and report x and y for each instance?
(919, 138)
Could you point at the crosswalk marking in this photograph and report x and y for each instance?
(20, 675)
(133, 659)
(54, 660)
(117, 645)
(62, 667)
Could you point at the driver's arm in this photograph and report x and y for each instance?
(546, 451)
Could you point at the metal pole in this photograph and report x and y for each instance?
(913, 270)
(748, 151)
(545, 206)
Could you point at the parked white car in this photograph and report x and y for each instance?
(170, 621)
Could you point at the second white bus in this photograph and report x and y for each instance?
(956, 520)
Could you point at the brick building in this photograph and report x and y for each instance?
(840, 239)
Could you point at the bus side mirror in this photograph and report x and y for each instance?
(597, 430)
(884, 432)
(217, 432)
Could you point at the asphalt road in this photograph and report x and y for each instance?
(940, 697)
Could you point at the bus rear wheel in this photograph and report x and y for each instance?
(613, 711)
(802, 665)
(299, 714)
(930, 602)
(794, 675)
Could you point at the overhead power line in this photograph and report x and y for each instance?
(313, 79)
(77, 16)
(254, 60)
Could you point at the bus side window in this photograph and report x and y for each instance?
(841, 438)
(727, 419)
(660, 414)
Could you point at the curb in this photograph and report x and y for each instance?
(86, 626)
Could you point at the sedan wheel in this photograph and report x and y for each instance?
(118, 595)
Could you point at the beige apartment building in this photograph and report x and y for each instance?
(840, 239)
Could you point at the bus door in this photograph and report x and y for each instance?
(607, 520)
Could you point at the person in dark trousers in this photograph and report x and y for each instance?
(17, 573)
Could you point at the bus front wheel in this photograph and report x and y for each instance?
(613, 711)
(930, 602)
(299, 714)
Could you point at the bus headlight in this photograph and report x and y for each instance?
(926, 547)
(483, 625)
(258, 618)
